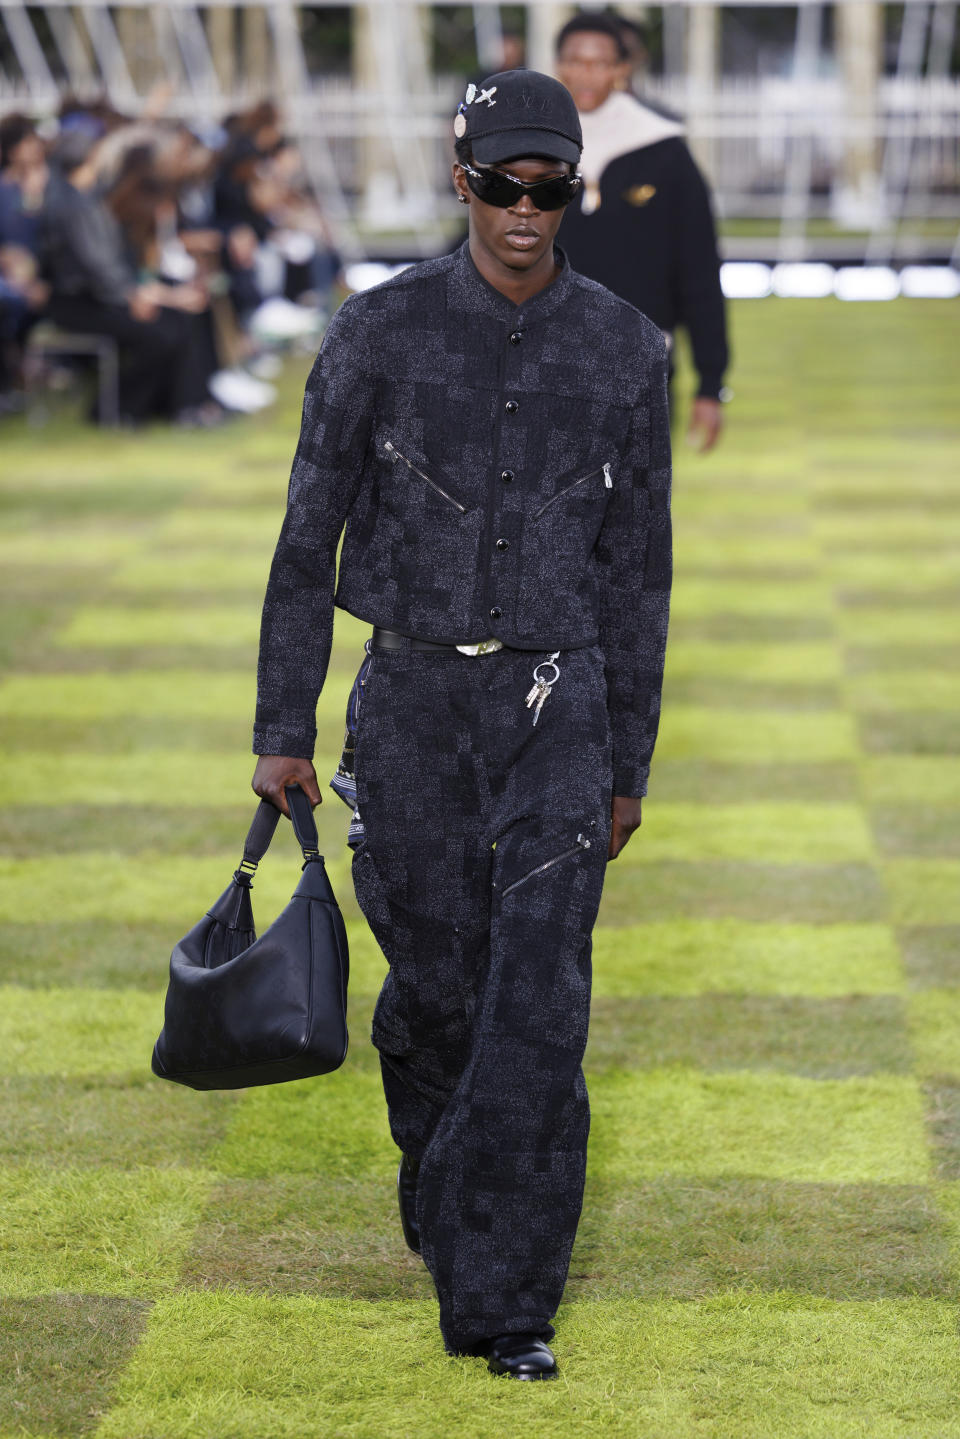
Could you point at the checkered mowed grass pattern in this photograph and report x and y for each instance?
(771, 1242)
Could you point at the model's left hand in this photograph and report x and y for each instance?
(706, 424)
(626, 818)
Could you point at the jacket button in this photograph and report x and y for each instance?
(503, 544)
(516, 337)
(511, 407)
(506, 476)
(496, 612)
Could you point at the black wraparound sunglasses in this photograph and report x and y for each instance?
(495, 187)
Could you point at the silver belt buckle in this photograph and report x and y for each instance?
(482, 647)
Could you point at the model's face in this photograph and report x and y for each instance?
(520, 236)
(590, 67)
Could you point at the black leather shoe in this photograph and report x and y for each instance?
(407, 1194)
(521, 1356)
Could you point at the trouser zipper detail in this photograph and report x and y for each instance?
(581, 844)
(395, 455)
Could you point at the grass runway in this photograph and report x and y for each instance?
(770, 1246)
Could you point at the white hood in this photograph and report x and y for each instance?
(621, 124)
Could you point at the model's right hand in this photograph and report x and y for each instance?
(275, 771)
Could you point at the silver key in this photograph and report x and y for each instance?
(540, 692)
(538, 696)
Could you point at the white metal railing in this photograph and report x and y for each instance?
(758, 139)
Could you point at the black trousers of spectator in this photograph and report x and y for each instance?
(480, 873)
(164, 363)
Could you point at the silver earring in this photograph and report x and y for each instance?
(463, 199)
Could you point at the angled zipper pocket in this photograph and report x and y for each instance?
(581, 844)
(603, 470)
(395, 455)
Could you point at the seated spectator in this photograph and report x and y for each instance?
(166, 356)
(277, 241)
(23, 294)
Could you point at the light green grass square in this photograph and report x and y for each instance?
(741, 553)
(755, 736)
(96, 1231)
(244, 1367)
(693, 598)
(935, 1031)
(771, 1126)
(178, 890)
(141, 777)
(905, 626)
(136, 693)
(784, 833)
(77, 1031)
(912, 779)
(256, 527)
(213, 571)
(334, 1125)
(911, 690)
(82, 545)
(100, 627)
(899, 531)
(891, 570)
(727, 956)
(923, 891)
(801, 662)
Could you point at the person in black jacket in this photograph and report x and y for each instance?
(643, 224)
(489, 431)
(162, 331)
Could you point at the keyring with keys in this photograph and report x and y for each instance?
(542, 687)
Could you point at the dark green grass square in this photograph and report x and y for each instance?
(125, 1121)
(811, 894)
(687, 1239)
(97, 952)
(716, 782)
(923, 732)
(129, 829)
(927, 831)
(307, 1235)
(157, 829)
(866, 659)
(755, 628)
(62, 1354)
(119, 734)
(931, 955)
(715, 692)
(818, 1038)
(943, 1126)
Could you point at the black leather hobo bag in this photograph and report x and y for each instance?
(242, 1011)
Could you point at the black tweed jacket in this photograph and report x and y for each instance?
(495, 469)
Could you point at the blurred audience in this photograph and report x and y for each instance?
(198, 252)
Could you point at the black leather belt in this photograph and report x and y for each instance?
(393, 640)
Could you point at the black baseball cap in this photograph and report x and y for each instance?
(516, 113)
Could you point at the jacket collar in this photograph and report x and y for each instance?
(468, 291)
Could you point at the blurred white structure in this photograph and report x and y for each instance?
(829, 157)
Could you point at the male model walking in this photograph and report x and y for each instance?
(489, 430)
(643, 224)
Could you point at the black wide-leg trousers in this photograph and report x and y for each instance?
(480, 875)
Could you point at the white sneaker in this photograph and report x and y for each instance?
(236, 390)
(280, 319)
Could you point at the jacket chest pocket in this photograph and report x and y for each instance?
(564, 524)
(568, 484)
(419, 487)
(559, 534)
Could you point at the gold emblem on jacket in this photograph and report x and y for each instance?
(639, 194)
